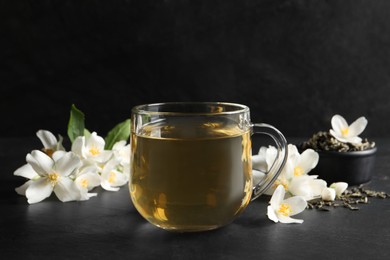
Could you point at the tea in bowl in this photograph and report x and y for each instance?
(346, 162)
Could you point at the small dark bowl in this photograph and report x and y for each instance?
(352, 167)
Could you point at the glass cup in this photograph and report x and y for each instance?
(191, 167)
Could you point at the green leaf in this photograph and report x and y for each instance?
(120, 132)
(76, 123)
(87, 133)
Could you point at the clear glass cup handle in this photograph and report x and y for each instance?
(280, 160)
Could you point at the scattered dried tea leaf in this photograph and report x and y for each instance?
(349, 199)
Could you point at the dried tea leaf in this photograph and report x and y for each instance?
(351, 197)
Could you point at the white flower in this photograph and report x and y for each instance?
(122, 152)
(91, 148)
(303, 163)
(328, 194)
(53, 176)
(347, 133)
(111, 177)
(50, 143)
(87, 178)
(339, 187)
(296, 165)
(307, 186)
(262, 163)
(281, 209)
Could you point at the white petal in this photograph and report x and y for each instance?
(338, 123)
(336, 135)
(339, 137)
(271, 214)
(307, 186)
(126, 170)
(357, 127)
(259, 163)
(67, 164)
(66, 190)
(90, 195)
(270, 156)
(86, 168)
(95, 141)
(125, 155)
(257, 176)
(38, 190)
(83, 192)
(354, 140)
(78, 146)
(277, 197)
(40, 162)
(297, 204)
(288, 170)
(106, 185)
(309, 160)
(119, 145)
(84, 195)
(316, 187)
(120, 180)
(58, 155)
(339, 187)
(299, 186)
(103, 156)
(88, 163)
(122, 152)
(93, 179)
(47, 138)
(287, 220)
(328, 194)
(108, 167)
(21, 190)
(333, 133)
(59, 146)
(262, 151)
(26, 171)
(292, 150)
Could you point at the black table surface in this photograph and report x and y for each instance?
(109, 227)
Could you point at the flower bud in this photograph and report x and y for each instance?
(328, 194)
(339, 187)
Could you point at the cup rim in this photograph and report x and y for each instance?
(148, 108)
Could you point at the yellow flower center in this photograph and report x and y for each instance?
(344, 131)
(285, 209)
(112, 177)
(84, 183)
(298, 171)
(53, 178)
(94, 150)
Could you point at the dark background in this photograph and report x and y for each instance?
(294, 63)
